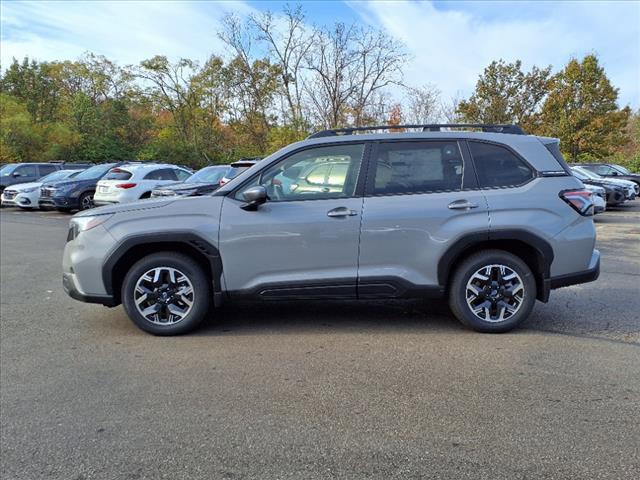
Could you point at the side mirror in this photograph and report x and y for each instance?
(16, 174)
(254, 196)
(614, 173)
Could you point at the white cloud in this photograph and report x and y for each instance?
(452, 46)
(127, 32)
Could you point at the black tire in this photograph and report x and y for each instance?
(145, 195)
(85, 202)
(201, 300)
(458, 292)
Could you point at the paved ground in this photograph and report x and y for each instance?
(317, 391)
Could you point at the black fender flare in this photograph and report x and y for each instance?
(186, 237)
(542, 247)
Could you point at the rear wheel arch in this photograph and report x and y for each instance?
(132, 249)
(530, 248)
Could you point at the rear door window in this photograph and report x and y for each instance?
(46, 169)
(403, 168)
(498, 167)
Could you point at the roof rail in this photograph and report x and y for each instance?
(429, 127)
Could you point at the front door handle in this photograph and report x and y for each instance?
(341, 212)
(462, 205)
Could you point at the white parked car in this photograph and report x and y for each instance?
(599, 197)
(132, 182)
(27, 195)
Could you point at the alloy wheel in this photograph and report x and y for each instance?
(495, 293)
(164, 295)
(87, 202)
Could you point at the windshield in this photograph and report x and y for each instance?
(7, 169)
(578, 174)
(59, 175)
(589, 173)
(94, 172)
(208, 175)
(621, 169)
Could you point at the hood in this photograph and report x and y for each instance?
(19, 187)
(70, 182)
(187, 186)
(620, 182)
(145, 204)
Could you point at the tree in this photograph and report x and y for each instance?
(423, 104)
(581, 110)
(287, 45)
(506, 94)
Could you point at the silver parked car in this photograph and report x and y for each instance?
(492, 220)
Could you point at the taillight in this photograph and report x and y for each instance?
(580, 200)
(126, 185)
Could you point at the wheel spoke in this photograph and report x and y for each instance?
(495, 293)
(163, 295)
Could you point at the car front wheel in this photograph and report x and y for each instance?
(166, 294)
(492, 291)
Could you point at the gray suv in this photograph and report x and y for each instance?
(491, 220)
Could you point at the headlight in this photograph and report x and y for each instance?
(82, 224)
(62, 189)
(29, 190)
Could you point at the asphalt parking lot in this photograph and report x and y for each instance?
(327, 390)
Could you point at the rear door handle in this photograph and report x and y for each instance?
(341, 212)
(462, 205)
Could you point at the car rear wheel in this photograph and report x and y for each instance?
(492, 291)
(86, 201)
(166, 294)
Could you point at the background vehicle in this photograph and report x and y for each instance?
(599, 196)
(203, 182)
(27, 195)
(236, 168)
(13, 173)
(611, 170)
(627, 187)
(493, 221)
(76, 193)
(132, 182)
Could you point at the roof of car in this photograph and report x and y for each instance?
(146, 166)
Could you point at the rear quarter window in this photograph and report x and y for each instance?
(498, 167)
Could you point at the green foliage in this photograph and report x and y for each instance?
(581, 111)
(506, 94)
(186, 113)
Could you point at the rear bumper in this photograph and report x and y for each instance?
(585, 276)
(71, 288)
(101, 203)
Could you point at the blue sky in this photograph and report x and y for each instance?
(450, 42)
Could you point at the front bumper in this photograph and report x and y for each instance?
(58, 202)
(589, 275)
(71, 288)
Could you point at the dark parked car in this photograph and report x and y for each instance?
(615, 194)
(13, 173)
(202, 182)
(614, 171)
(77, 193)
